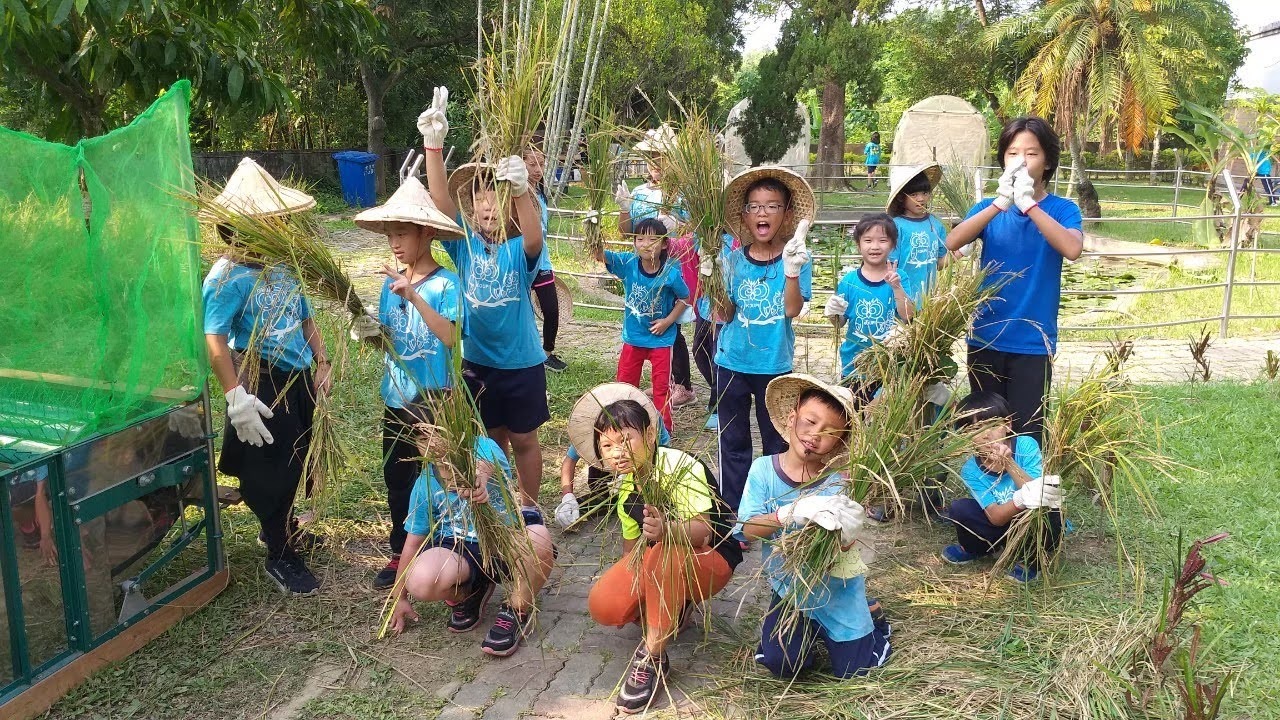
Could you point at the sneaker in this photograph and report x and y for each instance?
(509, 628)
(386, 577)
(468, 612)
(555, 364)
(1020, 573)
(645, 678)
(299, 539)
(291, 575)
(957, 555)
(713, 422)
(681, 395)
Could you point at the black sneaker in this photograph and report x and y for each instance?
(299, 539)
(468, 611)
(509, 628)
(386, 577)
(291, 575)
(645, 679)
(555, 364)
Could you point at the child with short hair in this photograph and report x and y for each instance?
(872, 152)
(570, 510)
(443, 550)
(1005, 478)
(497, 260)
(419, 307)
(544, 283)
(868, 299)
(921, 248)
(655, 296)
(615, 426)
(1026, 232)
(767, 280)
(784, 493)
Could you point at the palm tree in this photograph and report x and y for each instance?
(1096, 60)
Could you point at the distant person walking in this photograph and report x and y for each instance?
(1263, 160)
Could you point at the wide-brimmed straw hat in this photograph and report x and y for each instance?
(658, 141)
(564, 302)
(411, 203)
(582, 420)
(802, 202)
(782, 394)
(899, 177)
(460, 191)
(252, 192)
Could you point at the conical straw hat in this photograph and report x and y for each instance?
(783, 392)
(657, 141)
(411, 203)
(900, 176)
(564, 301)
(582, 419)
(735, 196)
(252, 192)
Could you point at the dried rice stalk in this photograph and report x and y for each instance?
(694, 173)
(598, 177)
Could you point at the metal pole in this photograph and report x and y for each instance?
(1231, 256)
(1177, 180)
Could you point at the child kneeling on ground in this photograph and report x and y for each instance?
(443, 555)
(689, 557)
(784, 493)
(1004, 478)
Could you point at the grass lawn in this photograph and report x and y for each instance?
(998, 650)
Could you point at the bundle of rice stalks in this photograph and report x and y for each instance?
(922, 347)
(598, 178)
(694, 172)
(956, 191)
(512, 95)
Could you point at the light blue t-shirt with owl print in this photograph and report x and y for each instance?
(240, 300)
(758, 339)
(501, 330)
(421, 362)
(921, 243)
(648, 297)
(870, 315)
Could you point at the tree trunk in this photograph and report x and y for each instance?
(375, 93)
(1155, 156)
(830, 164)
(1086, 194)
(981, 8)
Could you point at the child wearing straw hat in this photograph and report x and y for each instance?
(503, 360)
(419, 307)
(767, 281)
(445, 560)
(1026, 232)
(252, 308)
(868, 298)
(787, 491)
(922, 246)
(687, 555)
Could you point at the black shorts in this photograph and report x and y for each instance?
(469, 551)
(511, 399)
(544, 277)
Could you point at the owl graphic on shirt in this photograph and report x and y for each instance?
(870, 319)
(416, 339)
(277, 299)
(486, 284)
(757, 304)
(644, 303)
(921, 254)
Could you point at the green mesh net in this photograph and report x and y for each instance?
(100, 274)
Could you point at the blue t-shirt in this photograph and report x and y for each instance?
(1023, 317)
(921, 243)
(989, 489)
(501, 329)
(759, 339)
(437, 512)
(647, 202)
(872, 151)
(664, 439)
(544, 257)
(239, 299)
(704, 303)
(870, 315)
(838, 604)
(1263, 158)
(646, 298)
(424, 361)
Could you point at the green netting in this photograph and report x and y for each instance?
(100, 275)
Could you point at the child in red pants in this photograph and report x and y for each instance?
(655, 296)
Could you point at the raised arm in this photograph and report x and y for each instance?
(434, 126)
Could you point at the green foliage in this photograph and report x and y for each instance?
(932, 51)
(770, 125)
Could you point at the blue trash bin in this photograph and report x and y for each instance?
(356, 175)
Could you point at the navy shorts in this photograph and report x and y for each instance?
(511, 399)
(787, 654)
(469, 551)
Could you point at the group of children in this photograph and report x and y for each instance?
(692, 547)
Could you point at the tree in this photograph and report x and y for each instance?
(770, 125)
(1096, 60)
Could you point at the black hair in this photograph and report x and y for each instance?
(226, 233)
(768, 183)
(880, 220)
(982, 406)
(621, 415)
(653, 226)
(483, 181)
(875, 137)
(918, 183)
(1043, 131)
(830, 402)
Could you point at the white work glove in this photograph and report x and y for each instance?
(1004, 191)
(937, 394)
(245, 413)
(801, 511)
(706, 266)
(849, 517)
(567, 512)
(622, 196)
(967, 249)
(1042, 492)
(1024, 191)
(365, 327)
(795, 254)
(591, 218)
(836, 306)
(513, 170)
(432, 123)
(186, 421)
(669, 222)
